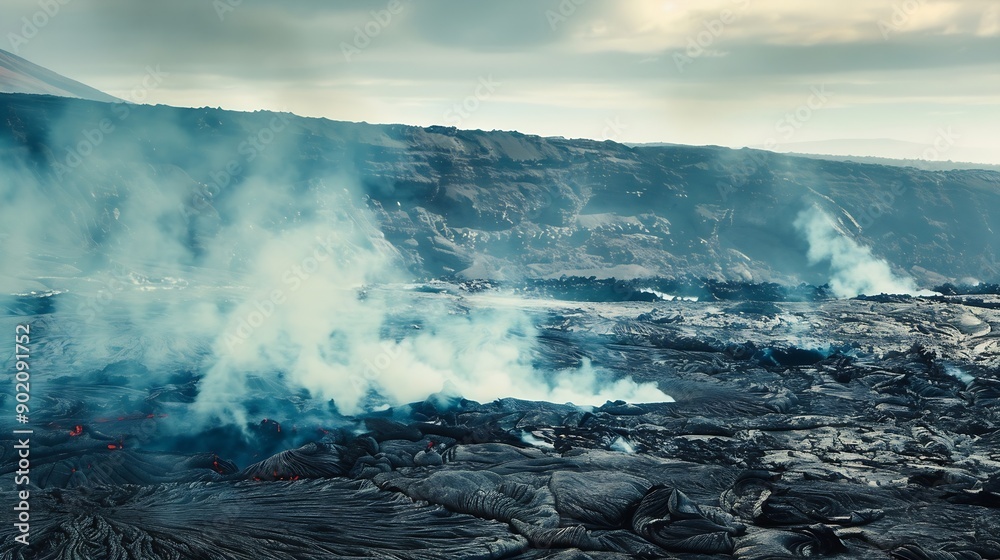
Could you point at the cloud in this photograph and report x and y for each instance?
(989, 24)
(601, 60)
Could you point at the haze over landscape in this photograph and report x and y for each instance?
(512, 280)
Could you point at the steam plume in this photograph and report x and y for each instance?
(304, 317)
(853, 269)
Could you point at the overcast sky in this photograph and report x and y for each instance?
(730, 72)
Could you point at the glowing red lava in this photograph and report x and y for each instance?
(215, 464)
(267, 421)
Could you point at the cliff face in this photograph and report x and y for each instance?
(507, 205)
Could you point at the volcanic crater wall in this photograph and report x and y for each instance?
(506, 205)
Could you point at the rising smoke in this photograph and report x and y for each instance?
(309, 315)
(853, 268)
(275, 286)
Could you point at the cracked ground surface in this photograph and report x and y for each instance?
(862, 428)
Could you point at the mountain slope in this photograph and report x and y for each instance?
(17, 75)
(506, 205)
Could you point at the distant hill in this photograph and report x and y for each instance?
(858, 149)
(815, 151)
(17, 75)
(926, 165)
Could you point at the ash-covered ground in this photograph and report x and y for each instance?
(241, 354)
(843, 428)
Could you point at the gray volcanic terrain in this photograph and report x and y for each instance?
(255, 335)
(847, 429)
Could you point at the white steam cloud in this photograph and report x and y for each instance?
(260, 291)
(853, 269)
(304, 318)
